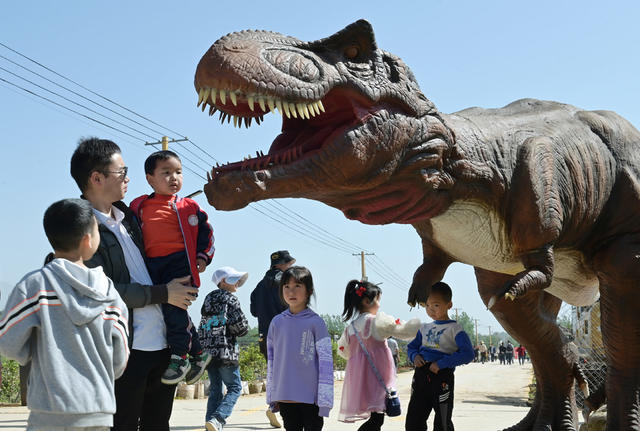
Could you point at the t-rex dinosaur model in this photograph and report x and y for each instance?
(542, 198)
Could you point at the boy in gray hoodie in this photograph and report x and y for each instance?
(71, 324)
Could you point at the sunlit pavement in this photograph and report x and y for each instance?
(487, 397)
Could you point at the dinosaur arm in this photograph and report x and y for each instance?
(435, 263)
(536, 215)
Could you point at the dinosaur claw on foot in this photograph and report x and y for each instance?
(510, 296)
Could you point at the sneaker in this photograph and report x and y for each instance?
(213, 425)
(176, 371)
(273, 419)
(198, 365)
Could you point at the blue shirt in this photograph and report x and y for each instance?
(443, 342)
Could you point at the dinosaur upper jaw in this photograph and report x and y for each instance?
(315, 135)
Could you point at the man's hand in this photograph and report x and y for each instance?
(201, 264)
(180, 292)
(418, 361)
(434, 368)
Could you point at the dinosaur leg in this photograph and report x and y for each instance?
(531, 320)
(618, 268)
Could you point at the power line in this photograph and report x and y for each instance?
(75, 103)
(80, 95)
(87, 89)
(69, 109)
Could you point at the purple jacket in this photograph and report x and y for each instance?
(300, 366)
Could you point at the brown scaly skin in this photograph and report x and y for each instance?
(543, 199)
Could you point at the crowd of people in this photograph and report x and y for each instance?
(504, 353)
(105, 328)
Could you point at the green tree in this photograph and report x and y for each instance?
(335, 325)
(467, 324)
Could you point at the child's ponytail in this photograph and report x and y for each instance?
(355, 292)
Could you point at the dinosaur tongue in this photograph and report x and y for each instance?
(314, 134)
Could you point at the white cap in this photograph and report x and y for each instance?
(229, 275)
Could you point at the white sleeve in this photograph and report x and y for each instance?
(385, 326)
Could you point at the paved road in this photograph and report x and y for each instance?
(487, 397)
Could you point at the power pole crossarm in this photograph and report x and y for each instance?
(165, 142)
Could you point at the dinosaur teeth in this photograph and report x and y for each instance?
(200, 94)
(290, 109)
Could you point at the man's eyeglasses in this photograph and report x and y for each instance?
(121, 173)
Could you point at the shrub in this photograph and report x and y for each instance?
(10, 388)
(252, 363)
(339, 363)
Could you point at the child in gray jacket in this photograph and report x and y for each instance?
(70, 323)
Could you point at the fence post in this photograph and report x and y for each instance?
(24, 378)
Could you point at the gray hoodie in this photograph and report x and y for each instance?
(70, 322)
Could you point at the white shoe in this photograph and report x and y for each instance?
(213, 425)
(273, 419)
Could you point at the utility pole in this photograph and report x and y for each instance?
(456, 310)
(362, 254)
(165, 142)
(476, 322)
(490, 335)
(165, 146)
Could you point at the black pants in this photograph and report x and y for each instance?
(141, 399)
(300, 416)
(374, 423)
(182, 336)
(430, 391)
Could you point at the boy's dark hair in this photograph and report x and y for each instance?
(301, 275)
(355, 292)
(66, 222)
(92, 154)
(154, 158)
(441, 288)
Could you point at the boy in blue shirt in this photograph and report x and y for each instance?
(437, 349)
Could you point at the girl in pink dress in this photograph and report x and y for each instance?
(362, 394)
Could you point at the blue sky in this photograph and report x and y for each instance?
(143, 55)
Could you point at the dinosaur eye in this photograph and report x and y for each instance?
(351, 52)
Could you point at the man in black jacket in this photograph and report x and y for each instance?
(141, 399)
(266, 304)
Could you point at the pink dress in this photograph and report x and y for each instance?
(362, 393)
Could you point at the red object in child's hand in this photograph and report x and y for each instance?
(341, 348)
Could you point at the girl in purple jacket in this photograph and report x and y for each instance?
(300, 365)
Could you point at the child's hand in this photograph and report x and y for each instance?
(418, 361)
(434, 368)
(201, 264)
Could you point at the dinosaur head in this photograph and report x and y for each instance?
(350, 112)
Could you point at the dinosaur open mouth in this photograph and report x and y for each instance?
(306, 128)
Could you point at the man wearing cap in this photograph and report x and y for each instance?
(266, 303)
(221, 323)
